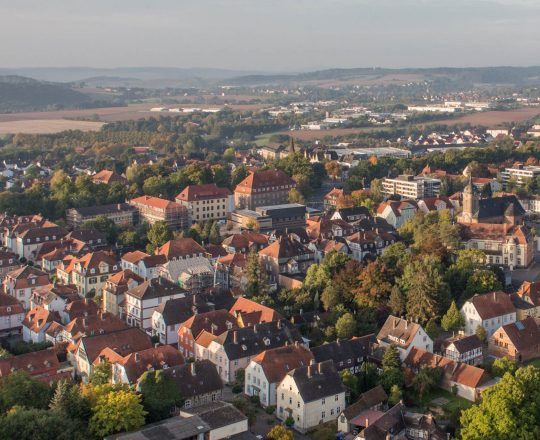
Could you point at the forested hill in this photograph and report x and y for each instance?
(19, 93)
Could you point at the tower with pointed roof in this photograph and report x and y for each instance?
(470, 203)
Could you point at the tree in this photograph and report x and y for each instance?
(4, 354)
(117, 411)
(279, 432)
(346, 326)
(397, 301)
(375, 285)
(507, 410)
(102, 374)
(229, 154)
(391, 377)
(158, 234)
(351, 382)
(103, 224)
(296, 196)
(68, 399)
(39, 424)
(239, 174)
(427, 292)
(426, 379)
(503, 365)
(432, 329)
(481, 281)
(159, 395)
(395, 395)
(333, 169)
(367, 377)
(215, 234)
(19, 389)
(481, 333)
(391, 358)
(452, 319)
(257, 279)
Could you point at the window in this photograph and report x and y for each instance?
(323, 415)
(323, 401)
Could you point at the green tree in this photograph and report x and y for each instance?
(102, 374)
(391, 377)
(39, 424)
(257, 279)
(296, 196)
(279, 432)
(4, 354)
(117, 411)
(346, 326)
(395, 395)
(426, 379)
(158, 234)
(508, 410)
(239, 174)
(351, 382)
(452, 319)
(215, 234)
(391, 358)
(103, 224)
(481, 333)
(159, 395)
(67, 398)
(427, 292)
(432, 329)
(19, 389)
(367, 377)
(397, 301)
(481, 281)
(503, 365)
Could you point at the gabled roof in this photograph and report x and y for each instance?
(93, 325)
(264, 179)
(35, 363)
(156, 202)
(195, 379)
(251, 312)
(181, 247)
(367, 400)
(215, 322)
(398, 331)
(178, 310)
(464, 345)
(9, 305)
(38, 318)
(523, 334)
(492, 305)
(276, 363)
(285, 247)
(317, 381)
(203, 192)
(344, 350)
(81, 307)
(134, 257)
(155, 288)
(390, 422)
(108, 176)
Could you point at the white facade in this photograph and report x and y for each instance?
(168, 334)
(397, 220)
(256, 384)
(473, 320)
(139, 311)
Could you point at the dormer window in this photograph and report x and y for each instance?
(92, 270)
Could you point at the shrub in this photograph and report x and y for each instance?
(270, 409)
(237, 388)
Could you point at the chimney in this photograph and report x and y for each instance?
(312, 362)
(319, 368)
(137, 357)
(494, 296)
(84, 322)
(235, 337)
(192, 369)
(310, 371)
(366, 424)
(156, 345)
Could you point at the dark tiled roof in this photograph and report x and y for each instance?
(344, 350)
(200, 377)
(366, 400)
(218, 414)
(496, 206)
(317, 381)
(155, 288)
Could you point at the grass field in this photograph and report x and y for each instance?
(47, 126)
(495, 118)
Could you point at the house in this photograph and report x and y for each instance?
(108, 177)
(8, 263)
(141, 300)
(348, 354)
(248, 312)
(245, 242)
(465, 379)
(143, 264)
(20, 282)
(88, 273)
(230, 271)
(527, 300)
(389, 425)
(130, 368)
(431, 204)
(322, 227)
(468, 349)
(88, 325)
(206, 202)
(286, 255)
(233, 350)
(519, 341)
(311, 395)
(87, 349)
(197, 382)
(215, 323)
(181, 249)
(396, 213)
(414, 187)
(28, 242)
(274, 151)
(154, 209)
(369, 244)
(363, 412)
(351, 215)
(42, 365)
(332, 198)
(224, 419)
(266, 371)
(114, 289)
(284, 215)
(405, 335)
(490, 310)
(168, 316)
(79, 308)
(11, 316)
(121, 214)
(176, 428)
(263, 188)
(36, 322)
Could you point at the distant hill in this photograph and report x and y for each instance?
(19, 94)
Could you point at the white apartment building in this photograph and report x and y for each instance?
(520, 173)
(490, 310)
(206, 202)
(414, 187)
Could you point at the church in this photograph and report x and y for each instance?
(495, 226)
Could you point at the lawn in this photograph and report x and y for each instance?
(534, 363)
(454, 403)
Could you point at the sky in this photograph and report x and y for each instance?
(269, 35)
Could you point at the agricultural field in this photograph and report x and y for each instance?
(47, 126)
(495, 118)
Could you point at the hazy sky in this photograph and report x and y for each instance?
(267, 35)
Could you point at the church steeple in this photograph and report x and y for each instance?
(470, 202)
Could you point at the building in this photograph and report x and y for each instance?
(114, 289)
(130, 368)
(108, 177)
(231, 272)
(274, 151)
(466, 380)
(181, 249)
(468, 349)
(289, 215)
(224, 419)
(36, 322)
(519, 174)
(141, 300)
(263, 188)
(396, 213)
(249, 219)
(175, 428)
(311, 395)
(120, 213)
(206, 202)
(347, 354)
(248, 312)
(266, 371)
(369, 244)
(42, 365)
(20, 283)
(368, 406)
(413, 187)
(8, 263)
(489, 310)
(245, 242)
(194, 274)
(518, 341)
(233, 350)
(142, 264)
(333, 198)
(405, 335)
(154, 209)
(527, 300)
(11, 316)
(197, 382)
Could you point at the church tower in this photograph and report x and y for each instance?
(470, 203)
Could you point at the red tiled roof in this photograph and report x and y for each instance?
(492, 305)
(38, 317)
(276, 363)
(156, 202)
(134, 257)
(202, 192)
(35, 363)
(181, 247)
(215, 322)
(264, 179)
(252, 313)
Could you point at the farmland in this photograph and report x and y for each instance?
(47, 126)
(495, 118)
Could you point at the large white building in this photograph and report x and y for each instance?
(490, 310)
(519, 173)
(206, 202)
(404, 335)
(414, 187)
